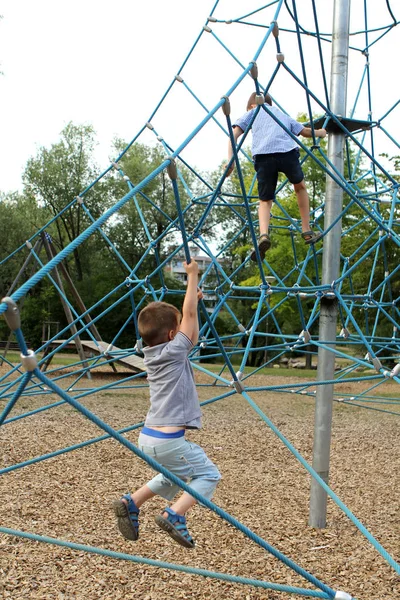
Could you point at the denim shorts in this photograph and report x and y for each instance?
(268, 167)
(187, 461)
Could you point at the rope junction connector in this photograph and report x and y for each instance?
(226, 107)
(254, 70)
(260, 99)
(79, 200)
(171, 169)
(149, 126)
(139, 346)
(207, 28)
(280, 57)
(28, 245)
(212, 19)
(395, 371)
(238, 385)
(375, 361)
(342, 596)
(275, 30)
(377, 364)
(178, 78)
(116, 166)
(108, 350)
(29, 362)
(344, 333)
(305, 334)
(12, 315)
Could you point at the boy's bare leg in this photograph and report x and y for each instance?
(141, 495)
(182, 505)
(304, 204)
(264, 215)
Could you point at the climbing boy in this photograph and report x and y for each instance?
(174, 408)
(274, 152)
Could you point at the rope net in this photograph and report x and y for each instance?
(287, 55)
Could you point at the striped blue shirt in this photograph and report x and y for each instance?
(268, 135)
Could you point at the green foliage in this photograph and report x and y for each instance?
(156, 203)
(56, 176)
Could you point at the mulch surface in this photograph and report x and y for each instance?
(69, 497)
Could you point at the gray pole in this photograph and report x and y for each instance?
(330, 266)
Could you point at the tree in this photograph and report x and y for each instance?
(146, 217)
(58, 175)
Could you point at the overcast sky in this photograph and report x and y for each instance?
(109, 64)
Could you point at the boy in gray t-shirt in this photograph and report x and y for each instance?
(174, 407)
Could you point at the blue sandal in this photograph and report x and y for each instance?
(127, 514)
(175, 526)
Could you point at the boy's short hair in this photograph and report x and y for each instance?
(156, 320)
(252, 100)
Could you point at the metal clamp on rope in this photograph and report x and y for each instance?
(237, 384)
(239, 387)
(377, 364)
(29, 362)
(171, 169)
(254, 70)
(11, 315)
(395, 371)
(344, 333)
(342, 596)
(260, 100)
(275, 30)
(226, 107)
(207, 28)
(212, 19)
(178, 78)
(149, 126)
(28, 245)
(108, 350)
(280, 57)
(139, 345)
(305, 334)
(79, 200)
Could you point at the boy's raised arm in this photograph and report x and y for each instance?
(237, 132)
(307, 132)
(190, 322)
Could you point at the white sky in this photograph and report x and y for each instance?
(109, 64)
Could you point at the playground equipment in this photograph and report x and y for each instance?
(329, 294)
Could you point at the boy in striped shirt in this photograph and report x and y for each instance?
(274, 152)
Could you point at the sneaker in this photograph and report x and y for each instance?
(264, 244)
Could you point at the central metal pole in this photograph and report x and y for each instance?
(330, 266)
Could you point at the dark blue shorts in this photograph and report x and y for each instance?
(268, 167)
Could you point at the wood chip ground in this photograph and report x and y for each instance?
(69, 497)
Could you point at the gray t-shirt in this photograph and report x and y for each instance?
(173, 394)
